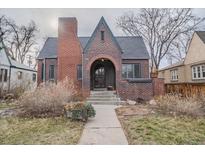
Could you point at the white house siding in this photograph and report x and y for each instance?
(26, 81)
(13, 67)
(4, 64)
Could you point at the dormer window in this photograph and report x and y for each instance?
(102, 35)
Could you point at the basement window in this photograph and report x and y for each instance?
(102, 35)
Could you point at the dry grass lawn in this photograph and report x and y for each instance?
(40, 131)
(146, 126)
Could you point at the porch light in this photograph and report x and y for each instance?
(102, 59)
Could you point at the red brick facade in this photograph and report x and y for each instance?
(69, 50)
(70, 54)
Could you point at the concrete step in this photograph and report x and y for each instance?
(103, 96)
(105, 102)
(102, 99)
(102, 92)
(108, 96)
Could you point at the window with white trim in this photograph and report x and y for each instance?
(174, 75)
(198, 72)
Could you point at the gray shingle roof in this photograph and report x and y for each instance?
(201, 35)
(49, 49)
(132, 47)
(19, 65)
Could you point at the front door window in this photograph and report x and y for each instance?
(99, 78)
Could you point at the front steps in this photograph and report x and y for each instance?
(104, 97)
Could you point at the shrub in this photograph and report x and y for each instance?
(47, 100)
(177, 105)
(79, 110)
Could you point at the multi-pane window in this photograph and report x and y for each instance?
(174, 75)
(198, 72)
(102, 35)
(51, 72)
(3, 75)
(131, 71)
(79, 72)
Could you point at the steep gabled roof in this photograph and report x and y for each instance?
(201, 35)
(102, 21)
(49, 49)
(13, 63)
(177, 64)
(132, 47)
(18, 65)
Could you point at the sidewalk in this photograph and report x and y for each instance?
(104, 128)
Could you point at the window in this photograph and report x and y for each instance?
(51, 72)
(19, 74)
(79, 72)
(42, 71)
(34, 77)
(131, 71)
(174, 75)
(102, 35)
(3, 75)
(198, 72)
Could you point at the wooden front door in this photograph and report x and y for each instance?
(99, 78)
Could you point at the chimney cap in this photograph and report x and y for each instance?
(67, 18)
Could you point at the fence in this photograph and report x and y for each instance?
(186, 89)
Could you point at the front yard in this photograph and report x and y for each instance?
(147, 126)
(59, 130)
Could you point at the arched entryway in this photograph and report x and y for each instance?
(102, 74)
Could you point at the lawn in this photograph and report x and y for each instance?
(155, 128)
(7, 105)
(40, 131)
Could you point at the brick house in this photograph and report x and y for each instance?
(98, 62)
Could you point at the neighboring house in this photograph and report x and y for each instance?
(188, 76)
(97, 62)
(14, 74)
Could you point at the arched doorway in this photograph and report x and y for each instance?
(102, 74)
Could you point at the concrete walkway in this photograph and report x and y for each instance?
(104, 128)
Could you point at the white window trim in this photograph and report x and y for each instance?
(174, 75)
(196, 71)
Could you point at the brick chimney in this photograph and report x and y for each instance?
(69, 50)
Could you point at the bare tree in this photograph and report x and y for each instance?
(22, 40)
(179, 48)
(160, 28)
(4, 29)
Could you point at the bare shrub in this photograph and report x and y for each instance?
(47, 100)
(177, 105)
